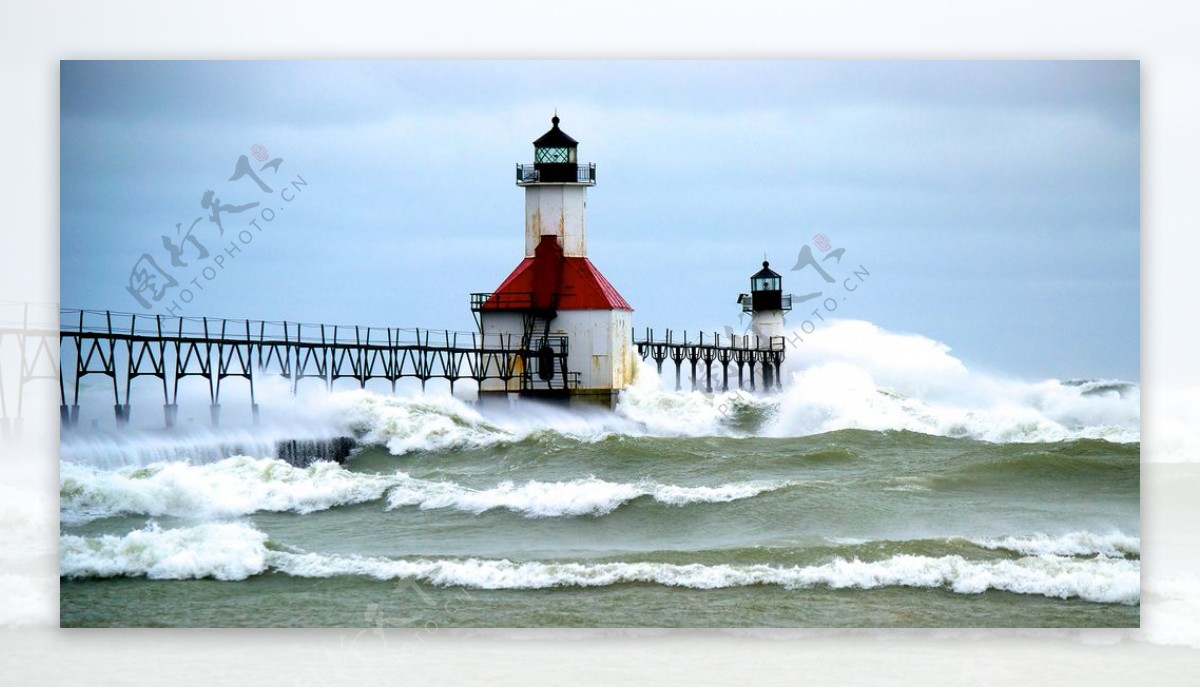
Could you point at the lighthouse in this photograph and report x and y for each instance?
(569, 323)
(766, 304)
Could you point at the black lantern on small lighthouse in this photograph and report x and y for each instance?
(766, 292)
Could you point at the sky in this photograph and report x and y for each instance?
(991, 206)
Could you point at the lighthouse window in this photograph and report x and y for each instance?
(554, 155)
(765, 284)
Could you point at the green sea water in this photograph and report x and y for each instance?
(851, 528)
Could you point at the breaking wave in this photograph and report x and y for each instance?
(1078, 544)
(853, 374)
(232, 551)
(243, 485)
(588, 496)
(224, 551)
(230, 487)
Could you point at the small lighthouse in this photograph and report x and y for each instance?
(766, 305)
(572, 323)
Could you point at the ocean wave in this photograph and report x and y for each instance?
(587, 496)
(1107, 581)
(854, 374)
(224, 551)
(1077, 544)
(231, 487)
(407, 425)
(243, 485)
(233, 551)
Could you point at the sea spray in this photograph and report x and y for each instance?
(853, 374)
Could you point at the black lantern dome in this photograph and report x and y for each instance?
(766, 279)
(555, 146)
(555, 160)
(766, 292)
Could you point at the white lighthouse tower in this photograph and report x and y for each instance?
(571, 322)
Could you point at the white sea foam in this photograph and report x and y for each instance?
(849, 374)
(662, 411)
(1082, 543)
(587, 496)
(224, 551)
(853, 374)
(243, 485)
(231, 551)
(230, 487)
(1109, 580)
(406, 424)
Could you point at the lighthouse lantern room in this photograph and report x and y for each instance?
(766, 303)
(556, 304)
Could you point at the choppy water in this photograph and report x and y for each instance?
(864, 495)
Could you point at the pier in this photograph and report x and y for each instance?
(170, 350)
(173, 351)
(744, 352)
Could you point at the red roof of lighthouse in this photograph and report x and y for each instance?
(578, 284)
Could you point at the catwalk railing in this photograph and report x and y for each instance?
(125, 347)
(744, 352)
(28, 356)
